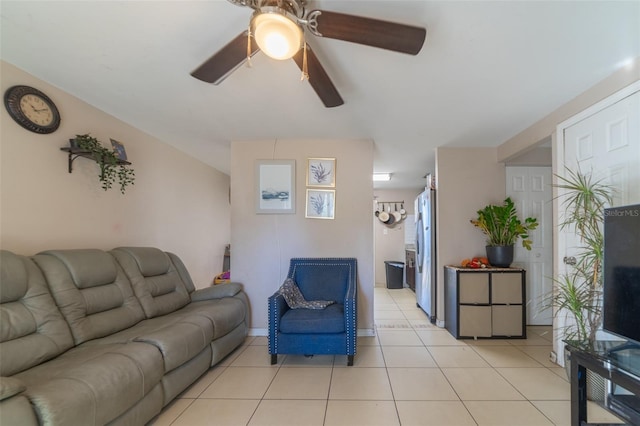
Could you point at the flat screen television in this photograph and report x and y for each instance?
(621, 287)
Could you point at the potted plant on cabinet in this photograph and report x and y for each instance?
(111, 167)
(501, 225)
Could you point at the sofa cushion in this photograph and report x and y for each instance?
(17, 411)
(182, 271)
(91, 385)
(155, 280)
(224, 314)
(180, 341)
(14, 282)
(151, 261)
(10, 386)
(312, 321)
(93, 306)
(88, 268)
(32, 329)
(176, 336)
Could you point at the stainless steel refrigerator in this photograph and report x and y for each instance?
(426, 250)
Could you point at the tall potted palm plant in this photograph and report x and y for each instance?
(578, 291)
(502, 226)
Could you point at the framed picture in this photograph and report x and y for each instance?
(118, 147)
(321, 172)
(275, 186)
(321, 203)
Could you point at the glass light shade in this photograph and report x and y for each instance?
(277, 36)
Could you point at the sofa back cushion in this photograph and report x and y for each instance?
(156, 282)
(182, 271)
(323, 278)
(91, 290)
(32, 329)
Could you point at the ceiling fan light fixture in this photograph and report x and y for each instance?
(278, 36)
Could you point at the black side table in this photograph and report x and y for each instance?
(616, 361)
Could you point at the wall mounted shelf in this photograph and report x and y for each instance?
(77, 152)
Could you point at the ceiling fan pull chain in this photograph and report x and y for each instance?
(249, 47)
(305, 70)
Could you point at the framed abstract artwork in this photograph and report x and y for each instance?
(321, 172)
(275, 186)
(321, 204)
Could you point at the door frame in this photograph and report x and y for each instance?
(558, 169)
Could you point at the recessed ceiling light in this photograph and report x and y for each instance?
(381, 177)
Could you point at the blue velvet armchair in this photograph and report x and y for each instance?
(331, 330)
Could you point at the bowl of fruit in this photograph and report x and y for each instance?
(475, 263)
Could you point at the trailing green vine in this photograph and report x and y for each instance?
(110, 166)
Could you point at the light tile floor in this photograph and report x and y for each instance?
(410, 373)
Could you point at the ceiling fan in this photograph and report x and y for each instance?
(277, 27)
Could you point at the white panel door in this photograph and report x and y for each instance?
(531, 191)
(603, 140)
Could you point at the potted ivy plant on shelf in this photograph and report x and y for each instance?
(111, 167)
(502, 226)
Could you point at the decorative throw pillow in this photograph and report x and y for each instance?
(294, 298)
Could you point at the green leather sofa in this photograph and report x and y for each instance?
(89, 337)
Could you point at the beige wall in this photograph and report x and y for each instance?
(262, 244)
(389, 241)
(544, 128)
(467, 180)
(178, 203)
(538, 157)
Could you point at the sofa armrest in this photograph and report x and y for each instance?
(216, 292)
(10, 387)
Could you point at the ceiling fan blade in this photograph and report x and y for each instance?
(319, 79)
(226, 60)
(371, 32)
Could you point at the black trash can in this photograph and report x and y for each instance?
(395, 272)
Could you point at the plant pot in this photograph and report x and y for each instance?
(500, 256)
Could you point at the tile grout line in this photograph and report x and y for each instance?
(266, 390)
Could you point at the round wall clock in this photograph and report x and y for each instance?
(32, 109)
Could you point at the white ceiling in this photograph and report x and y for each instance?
(487, 71)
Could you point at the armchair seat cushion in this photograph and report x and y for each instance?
(314, 321)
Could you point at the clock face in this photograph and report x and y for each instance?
(36, 109)
(32, 109)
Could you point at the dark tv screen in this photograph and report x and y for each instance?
(621, 309)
